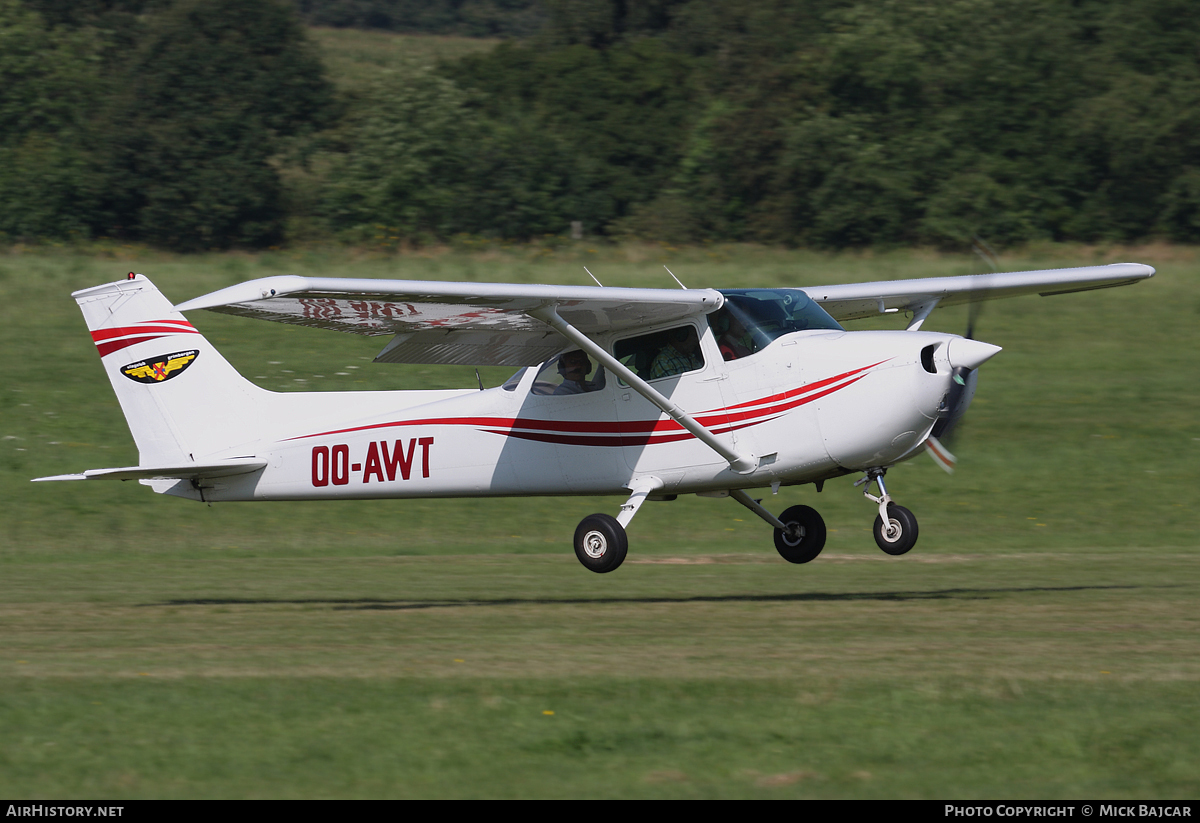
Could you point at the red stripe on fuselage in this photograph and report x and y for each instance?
(616, 432)
(806, 388)
(802, 401)
(664, 434)
(610, 440)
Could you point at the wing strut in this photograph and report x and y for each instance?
(920, 312)
(740, 463)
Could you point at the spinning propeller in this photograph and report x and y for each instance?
(963, 382)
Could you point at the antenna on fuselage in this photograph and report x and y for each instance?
(598, 283)
(676, 279)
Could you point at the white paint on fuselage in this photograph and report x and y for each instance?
(810, 405)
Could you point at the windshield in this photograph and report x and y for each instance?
(511, 383)
(756, 317)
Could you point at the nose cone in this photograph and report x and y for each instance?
(970, 354)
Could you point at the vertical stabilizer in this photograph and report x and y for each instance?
(182, 400)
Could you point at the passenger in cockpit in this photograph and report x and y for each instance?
(681, 354)
(732, 337)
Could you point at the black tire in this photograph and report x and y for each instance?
(806, 546)
(601, 543)
(905, 535)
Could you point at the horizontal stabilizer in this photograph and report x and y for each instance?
(186, 471)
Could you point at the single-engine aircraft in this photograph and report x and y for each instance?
(644, 393)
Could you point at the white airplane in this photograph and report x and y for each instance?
(644, 393)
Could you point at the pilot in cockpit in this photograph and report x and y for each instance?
(732, 338)
(574, 366)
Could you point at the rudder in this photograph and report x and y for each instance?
(182, 400)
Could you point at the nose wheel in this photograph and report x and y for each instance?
(899, 533)
(895, 526)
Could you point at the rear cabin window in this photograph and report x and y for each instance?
(661, 353)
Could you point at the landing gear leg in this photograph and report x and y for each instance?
(799, 531)
(895, 526)
(600, 540)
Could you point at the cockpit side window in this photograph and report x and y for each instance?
(752, 319)
(568, 373)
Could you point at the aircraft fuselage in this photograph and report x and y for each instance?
(811, 405)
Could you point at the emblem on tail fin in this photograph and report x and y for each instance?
(161, 368)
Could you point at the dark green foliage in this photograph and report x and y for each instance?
(838, 124)
(828, 123)
(159, 127)
(423, 161)
(49, 188)
(407, 159)
(472, 18)
(48, 85)
(601, 23)
(207, 97)
(619, 116)
(574, 134)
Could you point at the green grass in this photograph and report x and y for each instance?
(1038, 642)
(468, 737)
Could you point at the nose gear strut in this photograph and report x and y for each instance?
(895, 526)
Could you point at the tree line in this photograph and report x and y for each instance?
(195, 124)
(465, 18)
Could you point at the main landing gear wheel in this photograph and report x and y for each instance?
(805, 537)
(900, 534)
(601, 543)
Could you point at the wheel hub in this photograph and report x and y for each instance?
(594, 545)
(893, 531)
(794, 536)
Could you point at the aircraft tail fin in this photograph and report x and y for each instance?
(182, 400)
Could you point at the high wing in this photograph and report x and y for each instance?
(504, 324)
(522, 325)
(477, 324)
(853, 301)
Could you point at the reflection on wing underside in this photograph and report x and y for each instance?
(465, 347)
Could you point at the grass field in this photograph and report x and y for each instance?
(1040, 641)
